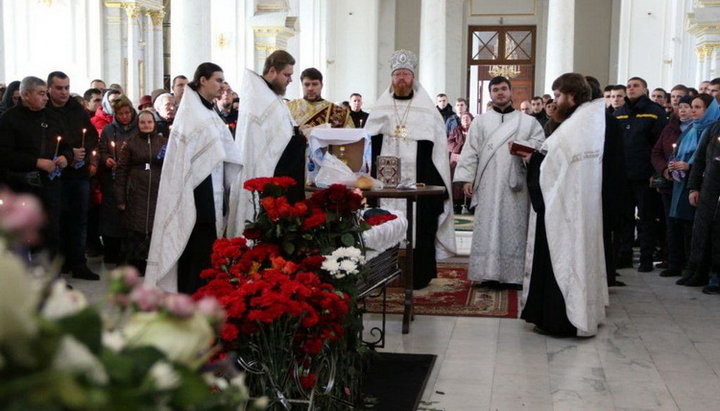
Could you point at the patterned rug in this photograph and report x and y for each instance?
(451, 294)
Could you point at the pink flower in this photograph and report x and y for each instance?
(146, 298)
(128, 275)
(210, 308)
(21, 215)
(180, 305)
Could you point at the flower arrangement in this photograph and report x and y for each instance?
(343, 262)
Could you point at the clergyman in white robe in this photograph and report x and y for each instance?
(200, 146)
(500, 195)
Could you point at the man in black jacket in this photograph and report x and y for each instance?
(641, 121)
(30, 153)
(82, 136)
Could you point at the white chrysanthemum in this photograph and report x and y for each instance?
(330, 265)
(63, 302)
(348, 266)
(338, 274)
(164, 376)
(75, 357)
(114, 340)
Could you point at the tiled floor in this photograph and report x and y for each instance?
(659, 350)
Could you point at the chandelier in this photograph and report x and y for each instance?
(507, 71)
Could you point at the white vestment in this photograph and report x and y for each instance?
(200, 145)
(500, 194)
(264, 128)
(423, 123)
(571, 184)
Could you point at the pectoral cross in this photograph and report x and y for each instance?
(400, 132)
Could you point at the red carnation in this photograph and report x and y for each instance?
(308, 381)
(315, 220)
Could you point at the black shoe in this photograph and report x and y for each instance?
(697, 280)
(84, 273)
(711, 289)
(662, 265)
(670, 273)
(624, 263)
(685, 277)
(645, 267)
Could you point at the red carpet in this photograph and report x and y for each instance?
(453, 295)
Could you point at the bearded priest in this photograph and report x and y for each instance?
(201, 165)
(404, 123)
(269, 139)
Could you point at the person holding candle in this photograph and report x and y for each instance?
(664, 151)
(30, 152)
(81, 135)
(137, 180)
(113, 136)
(705, 111)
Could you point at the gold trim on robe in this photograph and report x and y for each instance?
(315, 113)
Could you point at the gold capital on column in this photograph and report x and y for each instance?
(157, 16)
(132, 9)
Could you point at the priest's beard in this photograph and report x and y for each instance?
(563, 111)
(402, 88)
(278, 86)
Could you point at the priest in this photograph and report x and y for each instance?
(405, 123)
(312, 110)
(565, 291)
(495, 180)
(201, 165)
(269, 140)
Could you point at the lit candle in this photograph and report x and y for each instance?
(112, 149)
(83, 138)
(57, 146)
(674, 149)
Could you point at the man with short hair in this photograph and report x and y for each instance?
(606, 95)
(164, 113)
(443, 107)
(714, 88)
(525, 107)
(270, 142)
(495, 180)
(702, 88)
(617, 96)
(93, 97)
(566, 292)
(359, 117)
(30, 154)
(676, 93)
(224, 108)
(461, 107)
(642, 121)
(538, 110)
(405, 124)
(312, 110)
(82, 137)
(98, 84)
(659, 95)
(178, 88)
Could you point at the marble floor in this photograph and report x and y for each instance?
(659, 350)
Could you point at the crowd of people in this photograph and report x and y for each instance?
(648, 160)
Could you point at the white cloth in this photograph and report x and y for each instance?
(264, 128)
(200, 145)
(571, 184)
(500, 194)
(424, 122)
(322, 137)
(388, 234)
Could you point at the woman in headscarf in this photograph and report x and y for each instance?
(705, 111)
(113, 136)
(11, 97)
(678, 233)
(104, 114)
(137, 179)
(456, 141)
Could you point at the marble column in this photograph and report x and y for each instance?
(2, 42)
(157, 51)
(699, 72)
(560, 40)
(190, 36)
(112, 45)
(714, 62)
(132, 86)
(432, 56)
(149, 53)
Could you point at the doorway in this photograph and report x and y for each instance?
(507, 51)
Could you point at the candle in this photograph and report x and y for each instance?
(674, 149)
(57, 146)
(112, 149)
(83, 138)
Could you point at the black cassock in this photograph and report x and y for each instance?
(428, 211)
(545, 305)
(292, 164)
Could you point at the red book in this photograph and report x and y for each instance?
(519, 149)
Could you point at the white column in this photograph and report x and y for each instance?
(190, 35)
(714, 63)
(2, 42)
(700, 67)
(386, 46)
(157, 50)
(708, 63)
(132, 88)
(112, 46)
(432, 54)
(149, 53)
(560, 40)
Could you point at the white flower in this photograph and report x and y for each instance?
(261, 403)
(113, 340)
(164, 376)
(63, 302)
(338, 275)
(73, 356)
(348, 266)
(330, 265)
